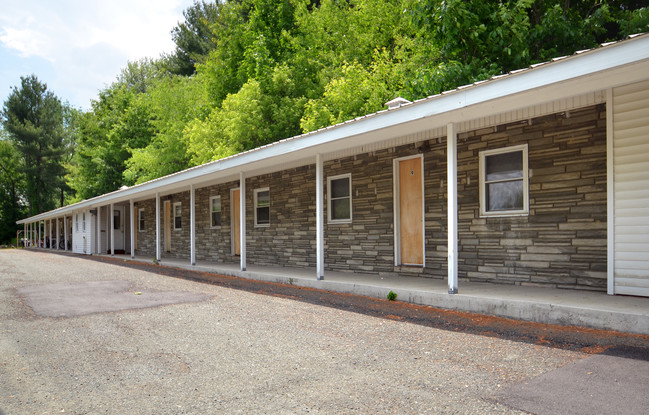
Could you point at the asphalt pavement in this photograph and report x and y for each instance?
(79, 336)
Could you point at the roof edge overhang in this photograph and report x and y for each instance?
(611, 65)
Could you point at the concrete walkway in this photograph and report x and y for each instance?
(543, 305)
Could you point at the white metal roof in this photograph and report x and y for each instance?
(610, 65)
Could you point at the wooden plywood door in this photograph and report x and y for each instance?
(167, 226)
(236, 224)
(411, 212)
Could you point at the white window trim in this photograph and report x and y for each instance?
(526, 194)
(173, 209)
(212, 199)
(76, 222)
(256, 192)
(330, 200)
(140, 212)
(83, 221)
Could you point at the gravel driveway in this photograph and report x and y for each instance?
(219, 350)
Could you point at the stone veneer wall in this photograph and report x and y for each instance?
(366, 244)
(214, 244)
(563, 240)
(145, 244)
(290, 238)
(179, 237)
(561, 243)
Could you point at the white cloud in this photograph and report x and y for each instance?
(87, 42)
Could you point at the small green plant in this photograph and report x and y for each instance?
(290, 281)
(155, 261)
(392, 296)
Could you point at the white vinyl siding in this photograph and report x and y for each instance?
(631, 188)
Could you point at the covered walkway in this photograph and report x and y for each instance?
(543, 305)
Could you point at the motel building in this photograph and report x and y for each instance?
(539, 177)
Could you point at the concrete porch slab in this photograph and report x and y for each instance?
(595, 310)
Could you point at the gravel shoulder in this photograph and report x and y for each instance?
(249, 347)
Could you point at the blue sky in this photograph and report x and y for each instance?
(78, 47)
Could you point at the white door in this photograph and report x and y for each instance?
(118, 227)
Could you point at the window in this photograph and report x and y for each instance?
(140, 220)
(339, 191)
(215, 211)
(504, 182)
(116, 219)
(83, 222)
(262, 207)
(76, 222)
(178, 223)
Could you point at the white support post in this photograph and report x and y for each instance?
(157, 226)
(24, 235)
(112, 229)
(610, 196)
(132, 220)
(38, 234)
(192, 225)
(28, 235)
(65, 233)
(451, 163)
(319, 206)
(242, 220)
(58, 234)
(50, 234)
(99, 250)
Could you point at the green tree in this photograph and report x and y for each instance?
(194, 38)
(265, 70)
(33, 118)
(170, 104)
(11, 185)
(106, 136)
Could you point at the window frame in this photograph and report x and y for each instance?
(173, 207)
(211, 211)
(256, 204)
(330, 199)
(83, 221)
(523, 148)
(140, 220)
(76, 222)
